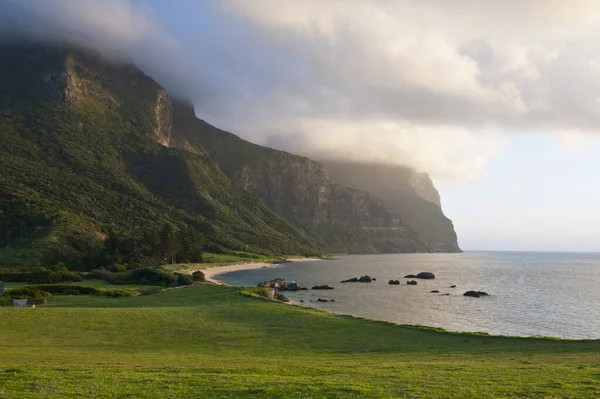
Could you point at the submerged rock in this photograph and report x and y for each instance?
(475, 294)
(394, 282)
(453, 286)
(422, 275)
(412, 282)
(322, 300)
(350, 280)
(434, 291)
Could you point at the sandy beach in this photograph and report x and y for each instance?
(211, 272)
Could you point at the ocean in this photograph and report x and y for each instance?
(530, 294)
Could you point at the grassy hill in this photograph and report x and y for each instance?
(211, 342)
(87, 158)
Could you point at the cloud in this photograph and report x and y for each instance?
(432, 83)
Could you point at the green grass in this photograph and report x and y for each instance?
(208, 341)
(101, 284)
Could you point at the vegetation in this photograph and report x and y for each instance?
(207, 341)
(85, 182)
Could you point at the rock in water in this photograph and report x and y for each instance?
(410, 276)
(475, 294)
(394, 282)
(426, 275)
(434, 291)
(365, 279)
(350, 280)
(322, 287)
(322, 300)
(412, 282)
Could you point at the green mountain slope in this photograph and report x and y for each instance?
(411, 194)
(338, 218)
(87, 155)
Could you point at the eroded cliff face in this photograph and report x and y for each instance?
(410, 194)
(164, 121)
(338, 218)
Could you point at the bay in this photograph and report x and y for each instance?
(531, 294)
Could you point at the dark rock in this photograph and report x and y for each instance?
(394, 282)
(426, 275)
(302, 300)
(410, 276)
(365, 279)
(321, 287)
(282, 298)
(445, 294)
(322, 300)
(350, 280)
(434, 291)
(453, 286)
(412, 282)
(374, 279)
(332, 300)
(475, 294)
(281, 285)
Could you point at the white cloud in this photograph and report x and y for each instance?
(431, 83)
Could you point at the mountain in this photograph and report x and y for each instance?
(91, 171)
(412, 195)
(336, 217)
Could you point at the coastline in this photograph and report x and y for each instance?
(211, 272)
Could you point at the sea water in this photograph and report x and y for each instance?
(530, 294)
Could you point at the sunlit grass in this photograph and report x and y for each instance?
(207, 341)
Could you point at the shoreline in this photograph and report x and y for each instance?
(211, 272)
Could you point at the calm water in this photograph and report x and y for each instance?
(550, 294)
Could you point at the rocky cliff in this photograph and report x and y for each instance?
(409, 193)
(338, 218)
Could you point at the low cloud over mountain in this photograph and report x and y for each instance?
(433, 83)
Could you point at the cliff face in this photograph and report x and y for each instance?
(338, 218)
(88, 151)
(411, 194)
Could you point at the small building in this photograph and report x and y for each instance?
(19, 303)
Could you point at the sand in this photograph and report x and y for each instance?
(210, 273)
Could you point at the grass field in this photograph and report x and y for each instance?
(212, 342)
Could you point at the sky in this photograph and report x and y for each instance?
(498, 100)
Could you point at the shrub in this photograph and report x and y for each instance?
(34, 295)
(45, 276)
(101, 274)
(198, 276)
(149, 275)
(184, 279)
(68, 289)
(13, 277)
(120, 293)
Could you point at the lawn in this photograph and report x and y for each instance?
(213, 342)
